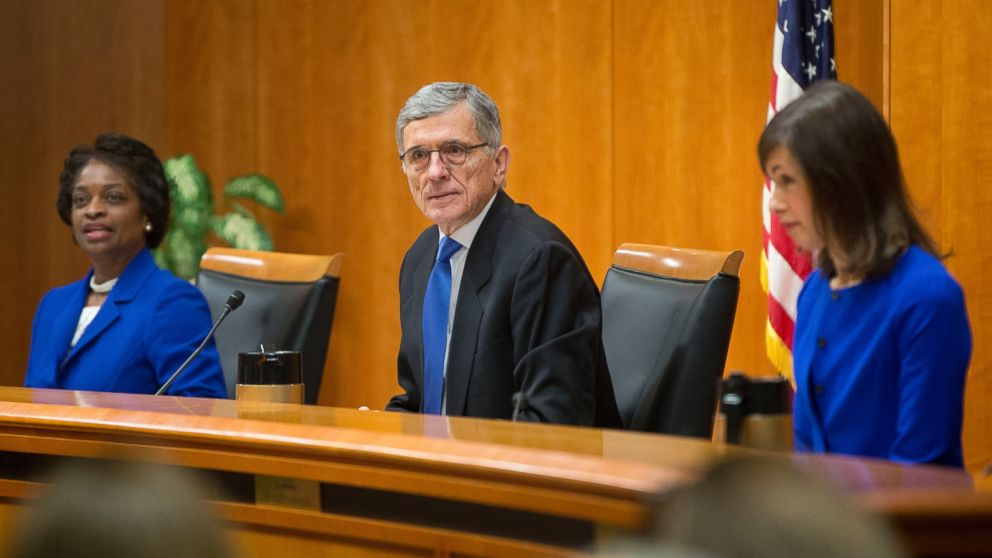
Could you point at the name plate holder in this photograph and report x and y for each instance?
(275, 377)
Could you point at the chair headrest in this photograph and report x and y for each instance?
(272, 266)
(682, 263)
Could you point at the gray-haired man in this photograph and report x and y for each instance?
(500, 315)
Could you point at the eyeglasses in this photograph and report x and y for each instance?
(453, 155)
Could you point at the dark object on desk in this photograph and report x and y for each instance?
(667, 318)
(756, 412)
(291, 306)
(275, 377)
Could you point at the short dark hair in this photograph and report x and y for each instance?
(138, 162)
(850, 162)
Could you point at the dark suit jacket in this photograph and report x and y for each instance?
(149, 323)
(527, 319)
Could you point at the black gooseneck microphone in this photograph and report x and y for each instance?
(520, 402)
(233, 301)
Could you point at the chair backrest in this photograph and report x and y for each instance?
(667, 318)
(289, 305)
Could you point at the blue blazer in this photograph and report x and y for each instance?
(149, 323)
(880, 367)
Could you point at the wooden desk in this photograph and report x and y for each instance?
(408, 485)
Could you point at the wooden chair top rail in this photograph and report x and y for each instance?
(272, 266)
(682, 263)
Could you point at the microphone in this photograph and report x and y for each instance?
(520, 403)
(234, 300)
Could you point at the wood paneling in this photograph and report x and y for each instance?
(628, 121)
(211, 101)
(966, 188)
(71, 69)
(859, 28)
(941, 91)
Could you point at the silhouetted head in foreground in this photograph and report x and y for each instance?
(101, 509)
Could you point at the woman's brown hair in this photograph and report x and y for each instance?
(851, 164)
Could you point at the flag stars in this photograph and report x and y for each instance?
(810, 71)
(833, 65)
(812, 35)
(828, 14)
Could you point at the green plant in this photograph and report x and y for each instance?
(193, 215)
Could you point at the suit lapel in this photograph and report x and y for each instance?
(414, 310)
(124, 291)
(107, 315)
(64, 326)
(469, 310)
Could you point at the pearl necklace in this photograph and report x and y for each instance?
(102, 288)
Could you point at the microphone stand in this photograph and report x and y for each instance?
(233, 301)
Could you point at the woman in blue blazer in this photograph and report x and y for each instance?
(882, 342)
(127, 325)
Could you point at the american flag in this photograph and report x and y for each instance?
(803, 53)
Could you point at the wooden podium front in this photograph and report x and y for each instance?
(388, 484)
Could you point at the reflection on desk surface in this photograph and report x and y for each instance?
(679, 456)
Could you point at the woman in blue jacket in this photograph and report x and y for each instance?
(127, 325)
(882, 340)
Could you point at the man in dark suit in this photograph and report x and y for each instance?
(504, 318)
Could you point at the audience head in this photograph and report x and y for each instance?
(460, 124)
(100, 509)
(137, 164)
(835, 148)
(752, 508)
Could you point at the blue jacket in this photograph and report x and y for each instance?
(880, 367)
(149, 323)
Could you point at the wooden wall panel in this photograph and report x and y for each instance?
(941, 91)
(968, 151)
(211, 102)
(915, 104)
(71, 70)
(859, 28)
(966, 187)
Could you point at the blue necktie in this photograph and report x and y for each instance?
(437, 299)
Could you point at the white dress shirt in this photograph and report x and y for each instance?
(464, 236)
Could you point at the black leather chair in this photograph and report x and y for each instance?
(289, 305)
(667, 318)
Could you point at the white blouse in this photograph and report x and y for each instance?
(85, 317)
